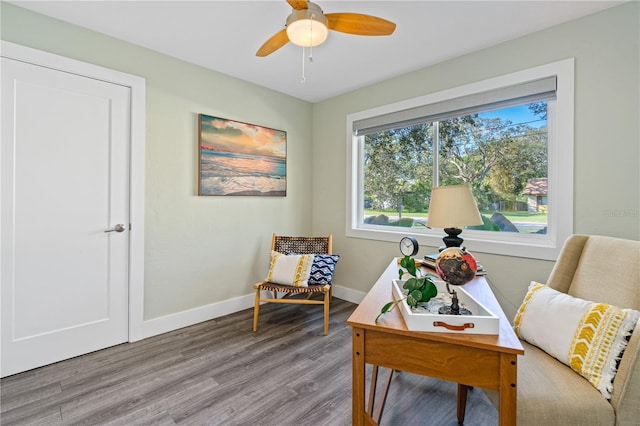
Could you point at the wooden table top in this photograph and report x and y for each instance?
(392, 322)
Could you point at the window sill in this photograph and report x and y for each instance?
(533, 246)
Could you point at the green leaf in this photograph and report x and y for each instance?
(411, 267)
(386, 308)
(411, 284)
(429, 291)
(409, 264)
(413, 298)
(411, 301)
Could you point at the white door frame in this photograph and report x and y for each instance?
(137, 172)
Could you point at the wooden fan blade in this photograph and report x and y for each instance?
(359, 24)
(278, 40)
(298, 4)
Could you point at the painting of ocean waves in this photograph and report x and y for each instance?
(242, 174)
(241, 159)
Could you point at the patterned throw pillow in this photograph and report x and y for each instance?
(290, 270)
(322, 268)
(589, 337)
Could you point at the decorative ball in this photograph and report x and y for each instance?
(456, 266)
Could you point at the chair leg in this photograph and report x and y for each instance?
(462, 401)
(326, 311)
(256, 310)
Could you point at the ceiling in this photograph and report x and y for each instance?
(224, 35)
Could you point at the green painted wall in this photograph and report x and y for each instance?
(193, 243)
(199, 250)
(607, 140)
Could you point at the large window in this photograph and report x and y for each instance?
(509, 138)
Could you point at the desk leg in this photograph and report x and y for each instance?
(357, 411)
(508, 389)
(372, 389)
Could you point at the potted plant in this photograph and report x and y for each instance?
(419, 287)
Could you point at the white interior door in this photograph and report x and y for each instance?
(64, 179)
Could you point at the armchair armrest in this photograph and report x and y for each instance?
(626, 385)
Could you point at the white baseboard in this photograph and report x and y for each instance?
(193, 316)
(167, 323)
(348, 294)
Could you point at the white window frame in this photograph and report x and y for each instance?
(560, 116)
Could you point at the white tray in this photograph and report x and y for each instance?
(482, 321)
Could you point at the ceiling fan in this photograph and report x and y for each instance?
(308, 26)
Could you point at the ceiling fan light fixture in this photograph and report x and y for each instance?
(307, 27)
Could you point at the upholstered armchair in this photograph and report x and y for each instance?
(599, 269)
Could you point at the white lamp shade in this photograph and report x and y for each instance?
(307, 27)
(453, 207)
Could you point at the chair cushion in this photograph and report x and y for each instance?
(322, 268)
(549, 393)
(290, 269)
(587, 336)
(608, 260)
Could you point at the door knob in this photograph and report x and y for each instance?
(118, 228)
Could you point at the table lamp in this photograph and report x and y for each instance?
(452, 208)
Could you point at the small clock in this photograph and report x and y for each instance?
(409, 246)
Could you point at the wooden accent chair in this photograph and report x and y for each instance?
(291, 294)
(604, 270)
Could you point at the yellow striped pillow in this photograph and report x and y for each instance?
(589, 337)
(290, 269)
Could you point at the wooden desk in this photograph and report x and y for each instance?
(479, 360)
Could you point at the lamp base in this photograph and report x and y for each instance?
(452, 239)
(454, 308)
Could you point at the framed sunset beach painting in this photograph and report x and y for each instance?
(241, 159)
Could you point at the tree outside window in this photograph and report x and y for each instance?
(509, 137)
(496, 152)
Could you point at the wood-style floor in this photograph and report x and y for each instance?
(221, 373)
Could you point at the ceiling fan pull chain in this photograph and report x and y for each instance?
(303, 60)
(313, 16)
